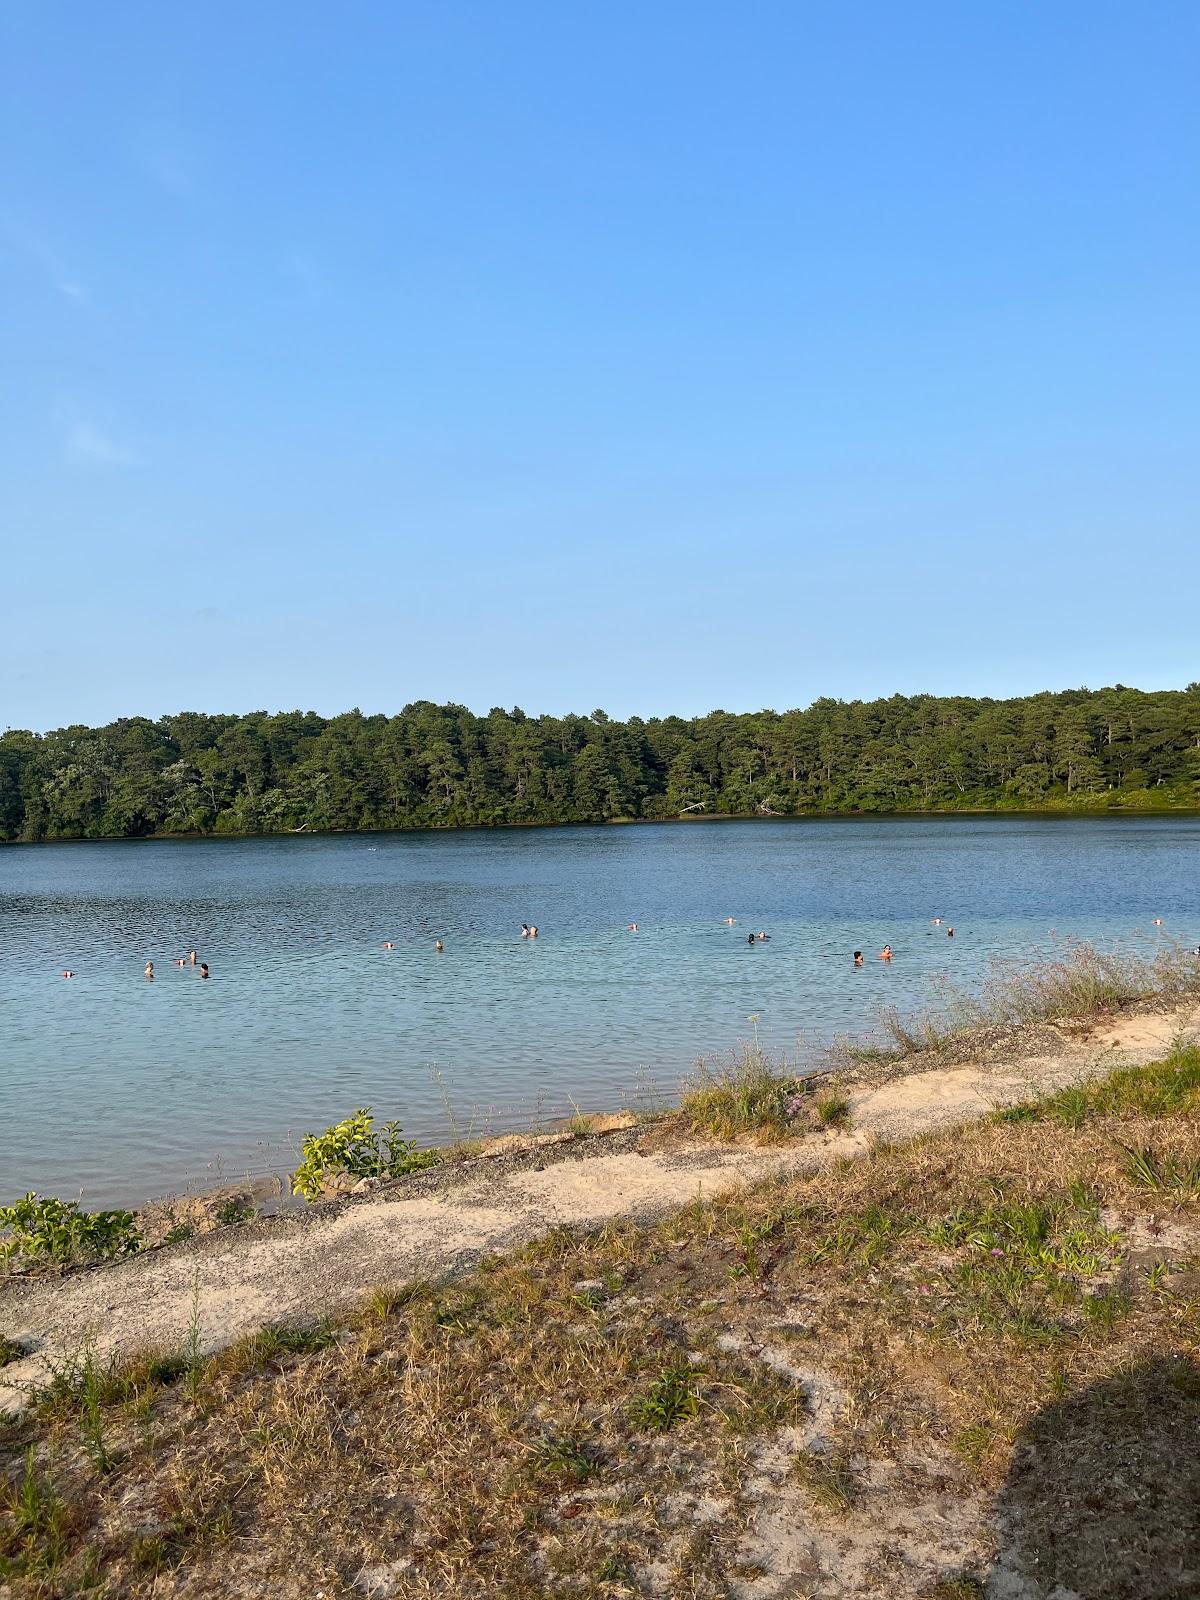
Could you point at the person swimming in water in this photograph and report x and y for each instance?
(886, 953)
(389, 945)
(191, 958)
(533, 930)
(632, 927)
(729, 921)
(149, 969)
(858, 958)
(524, 930)
(949, 933)
(438, 946)
(68, 974)
(753, 939)
(204, 969)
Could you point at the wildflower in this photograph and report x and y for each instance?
(996, 1251)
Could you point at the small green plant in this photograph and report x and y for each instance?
(178, 1233)
(672, 1396)
(1149, 1170)
(614, 1568)
(563, 1459)
(10, 1351)
(833, 1110)
(357, 1148)
(1106, 1307)
(238, 1208)
(33, 1523)
(93, 1389)
(42, 1228)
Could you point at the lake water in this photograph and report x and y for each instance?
(127, 1088)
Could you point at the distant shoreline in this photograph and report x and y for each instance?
(1044, 813)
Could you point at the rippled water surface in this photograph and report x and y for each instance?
(127, 1087)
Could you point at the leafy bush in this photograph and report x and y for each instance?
(46, 1229)
(355, 1147)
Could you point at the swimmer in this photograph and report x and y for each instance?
(1158, 922)
(763, 937)
(192, 958)
(68, 974)
(181, 961)
(533, 930)
(524, 930)
(438, 946)
(949, 933)
(886, 953)
(937, 922)
(858, 958)
(632, 927)
(204, 969)
(389, 945)
(729, 921)
(752, 938)
(149, 969)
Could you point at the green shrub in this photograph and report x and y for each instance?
(355, 1147)
(46, 1229)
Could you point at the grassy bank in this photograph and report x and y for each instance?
(1084, 986)
(889, 1377)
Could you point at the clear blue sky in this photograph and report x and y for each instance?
(651, 356)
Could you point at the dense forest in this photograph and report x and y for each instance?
(443, 766)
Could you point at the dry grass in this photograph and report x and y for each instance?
(1007, 1302)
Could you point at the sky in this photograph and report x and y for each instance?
(648, 356)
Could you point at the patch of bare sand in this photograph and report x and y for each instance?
(289, 1268)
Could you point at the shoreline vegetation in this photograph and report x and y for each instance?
(441, 766)
(746, 1096)
(884, 1373)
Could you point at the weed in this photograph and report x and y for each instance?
(563, 1458)
(10, 1350)
(1166, 1174)
(1106, 1307)
(382, 1301)
(746, 1095)
(178, 1233)
(833, 1110)
(271, 1344)
(615, 1568)
(33, 1532)
(826, 1478)
(672, 1396)
(238, 1208)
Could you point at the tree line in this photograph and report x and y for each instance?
(443, 766)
